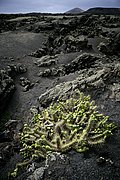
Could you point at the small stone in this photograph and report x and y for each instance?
(37, 81)
(26, 88)
(11, 124)
(22, 79)
(31, 85)
(101, 160)
(5, 136)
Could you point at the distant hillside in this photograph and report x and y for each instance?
(74, 11)
(100, 10)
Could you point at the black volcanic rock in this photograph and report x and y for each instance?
(7, 85)
(112, 47)
(101, 10)
(74, 11)
(7, 88)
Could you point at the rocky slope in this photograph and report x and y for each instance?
(44, 57)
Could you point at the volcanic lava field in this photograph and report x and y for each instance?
(46, 56)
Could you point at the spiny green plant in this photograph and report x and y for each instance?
(72, 123)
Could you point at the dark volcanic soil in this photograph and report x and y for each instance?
(42, 57)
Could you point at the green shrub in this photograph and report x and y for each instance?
(73, 123)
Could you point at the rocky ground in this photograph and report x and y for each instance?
(43, 57)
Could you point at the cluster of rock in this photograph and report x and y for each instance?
(7, 85)
(62, 44)
(94, 81)
(16, 69)
(39, 53)
(26, 84)
(83, 61)
(86, 24)
(7, 88)
(66, 44)
(43, 26)
(61, 166)
(112, 47)
(71, 34)
(52, 72)
(8, 137)
(9, 140)
(45, 61)
(9, 24)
